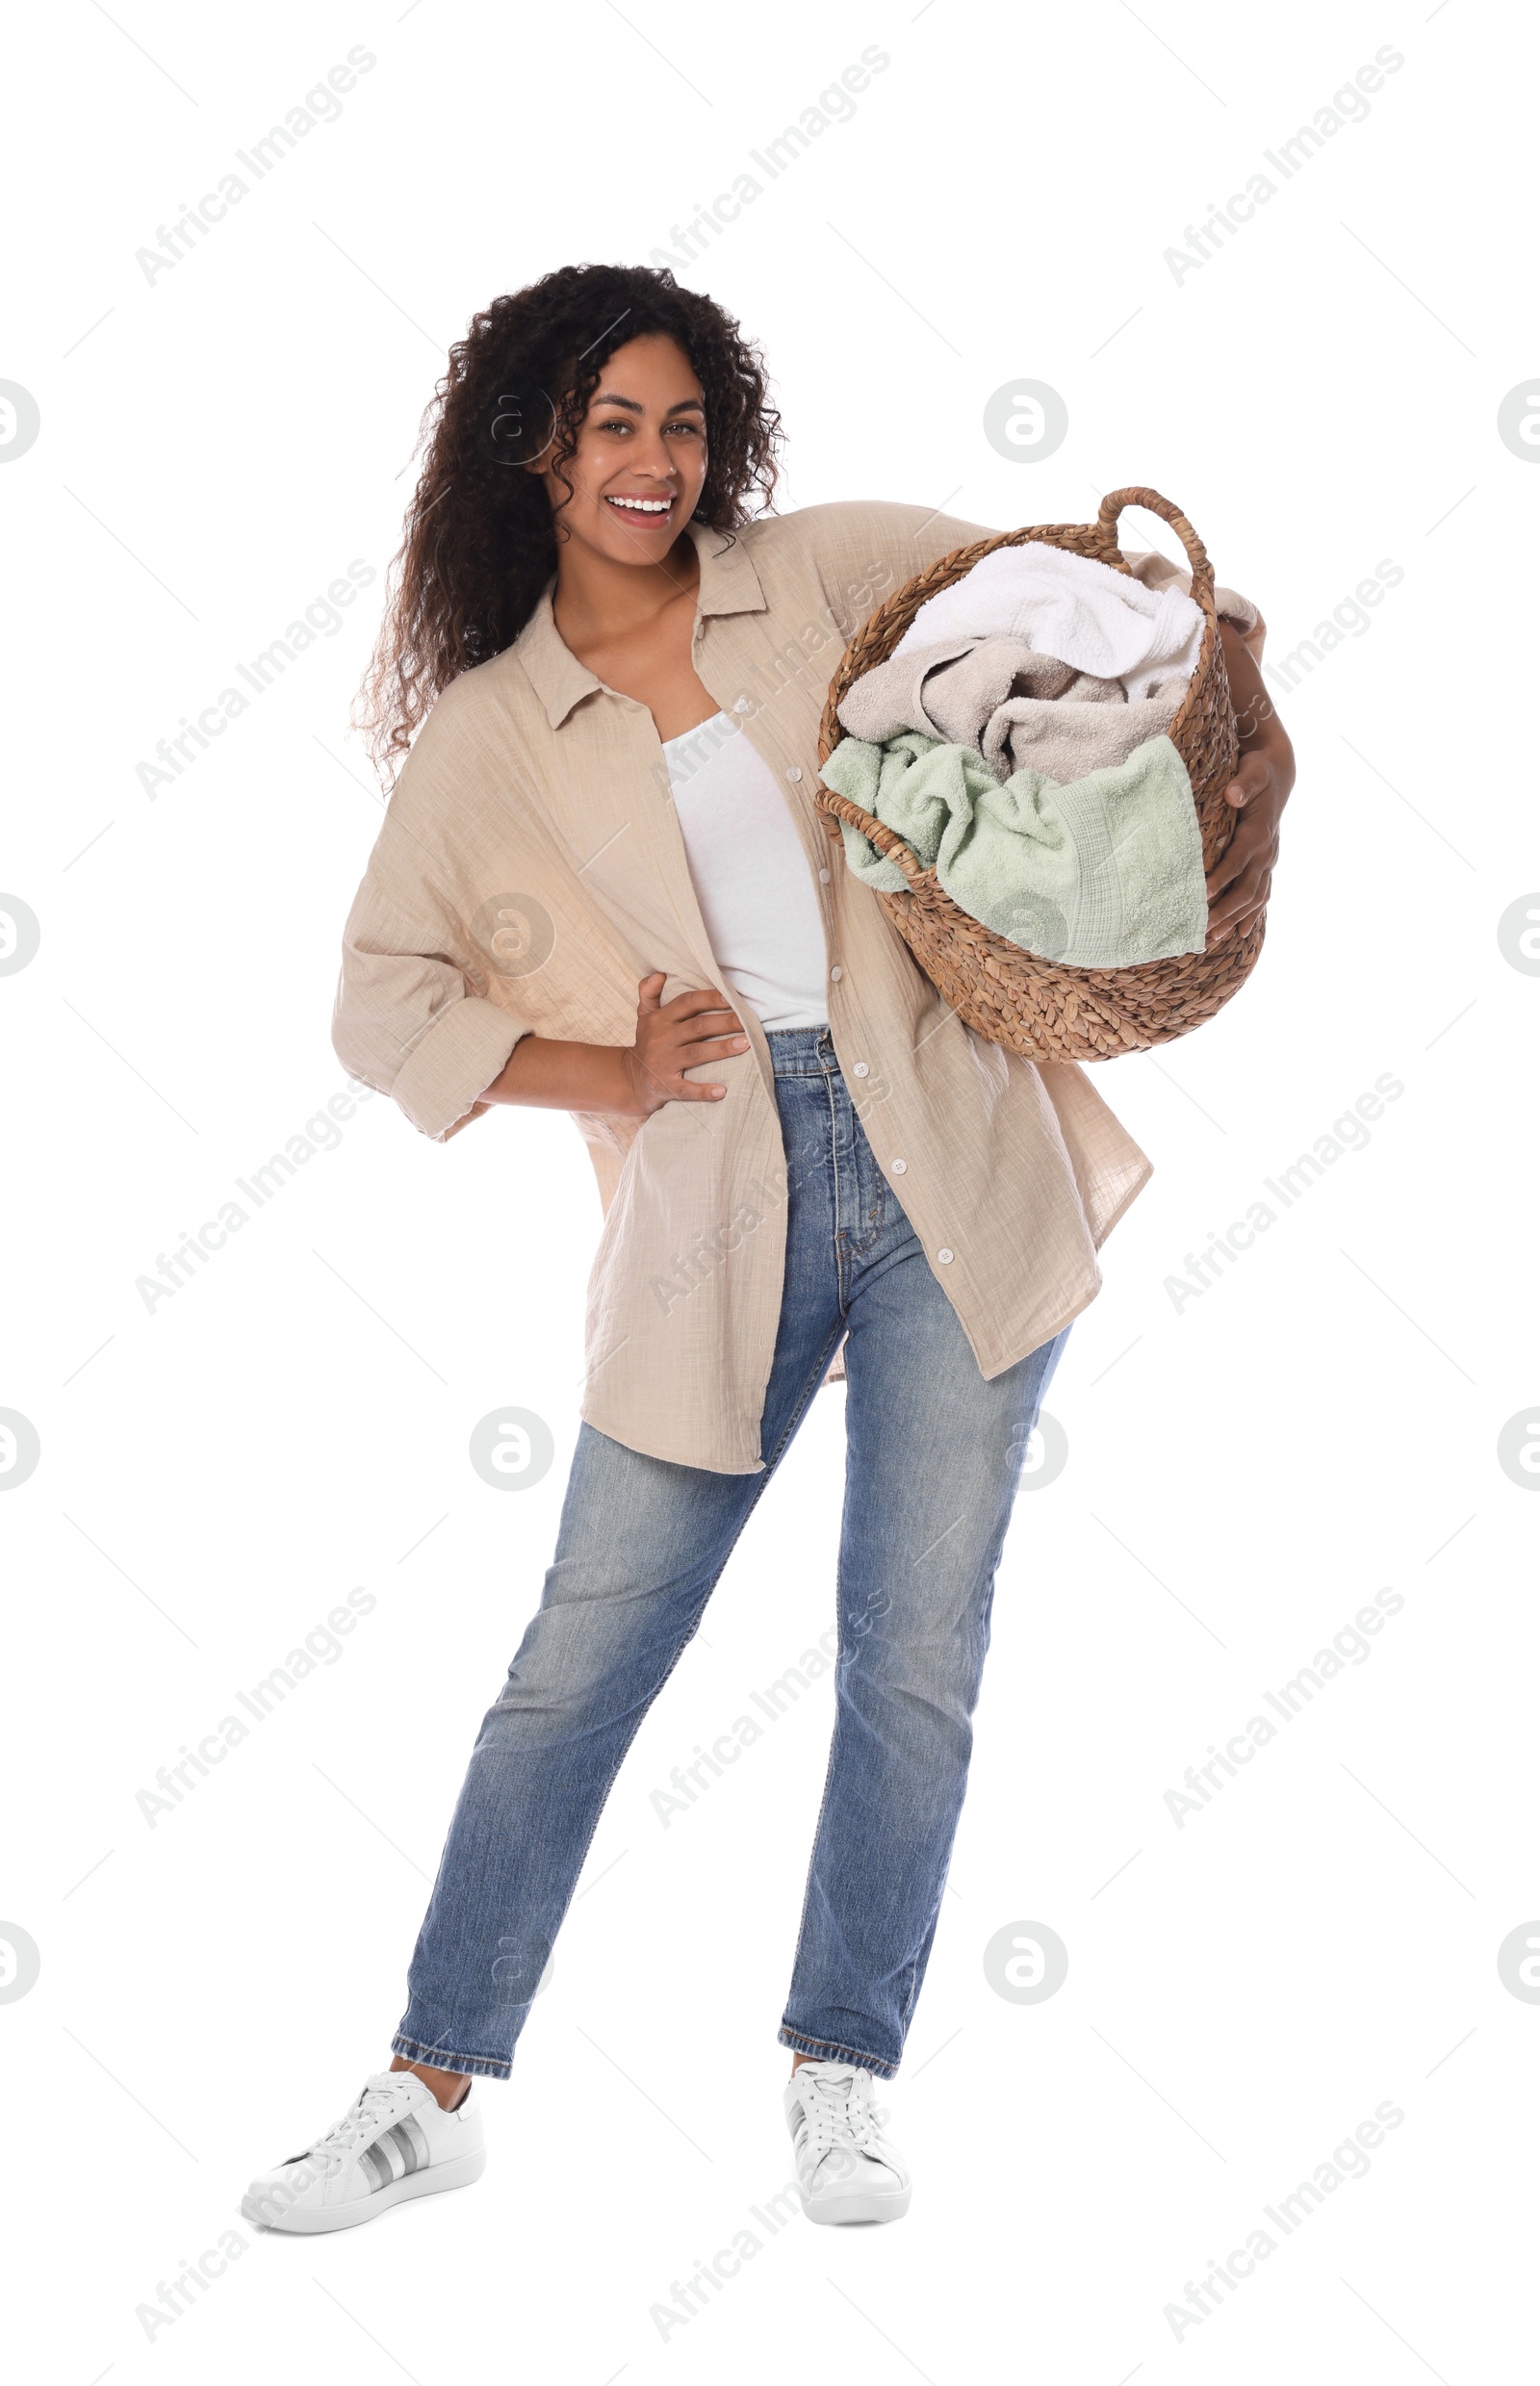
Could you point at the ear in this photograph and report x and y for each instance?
(539, 468)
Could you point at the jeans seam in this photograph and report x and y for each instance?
(815, 1377)
(841, 1245)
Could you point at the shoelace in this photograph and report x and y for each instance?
(362, 2120)
(837, 2108)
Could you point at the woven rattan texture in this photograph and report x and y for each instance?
(1035, 1007)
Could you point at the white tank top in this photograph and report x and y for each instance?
(756, 893)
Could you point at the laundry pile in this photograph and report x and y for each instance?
(1017, 740)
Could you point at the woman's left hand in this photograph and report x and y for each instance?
(1239, 881)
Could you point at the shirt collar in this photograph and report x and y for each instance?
(729, 584)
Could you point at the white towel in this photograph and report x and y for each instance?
(1098, 620)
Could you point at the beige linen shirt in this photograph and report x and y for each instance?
(530, 869)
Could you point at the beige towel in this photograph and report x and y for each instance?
(1020, 710)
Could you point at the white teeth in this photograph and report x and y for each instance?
(643, 505)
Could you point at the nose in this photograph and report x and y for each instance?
(651, 458)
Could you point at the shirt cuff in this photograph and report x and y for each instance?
(1242, 615)
(452, 1063)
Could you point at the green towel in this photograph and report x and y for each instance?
(1098, 873)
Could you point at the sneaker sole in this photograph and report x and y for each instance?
(436, 2180)
(852, 2208)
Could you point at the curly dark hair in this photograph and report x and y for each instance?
(480, 543)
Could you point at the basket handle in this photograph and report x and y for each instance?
(887, 841)
(1198, 555)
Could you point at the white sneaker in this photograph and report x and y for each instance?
(846, 2169)
(394, 2142)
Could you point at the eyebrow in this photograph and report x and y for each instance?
(633, 406)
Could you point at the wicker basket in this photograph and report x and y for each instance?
(1037, 1008)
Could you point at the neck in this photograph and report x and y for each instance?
(598, 597)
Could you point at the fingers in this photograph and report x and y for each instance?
(685, 1089)
(696, 1028)
(700, 1011)
(1240, 905)
(698, 999)
(678, 1088)
(699, 1052)
(716, 1048)
(684, 1005)
(1225, 871)
(1248, 894)
(1238, 882)
(1236, 927)
(698, 1042)
(661, 1073)
(1253, 778)
(1221, 931)
(1254, 839)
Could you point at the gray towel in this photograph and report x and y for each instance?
(1020, 710)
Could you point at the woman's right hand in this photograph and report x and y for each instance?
(671, 1037)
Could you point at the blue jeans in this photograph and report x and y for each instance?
(934, 1456)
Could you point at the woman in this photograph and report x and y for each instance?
(602, 887)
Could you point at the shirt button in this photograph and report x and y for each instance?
(899, 1167)
(794, 772)
(943, 1253)
(742, 705)
(837, 971)
(861, 1069)
(824, 875)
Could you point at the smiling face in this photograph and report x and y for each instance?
(641, 462)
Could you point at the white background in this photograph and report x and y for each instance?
(216, 446)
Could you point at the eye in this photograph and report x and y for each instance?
(693, 428)
(619, 423)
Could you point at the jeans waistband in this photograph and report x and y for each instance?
(802, 1052)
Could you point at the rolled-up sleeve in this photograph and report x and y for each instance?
(407, 1019)
(407, 1024)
